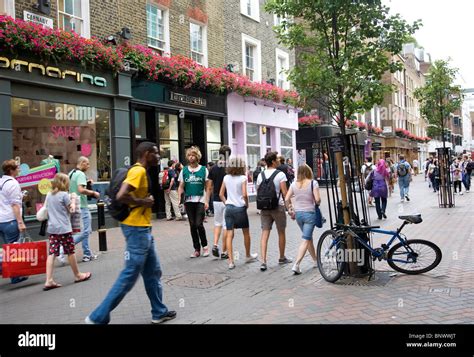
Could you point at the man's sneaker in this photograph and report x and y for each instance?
(88, 321)
(88, 258)
(284, 260)
(263, 267)
(224, 255)
(296, 269)
(215, 251)
(205, 251)
(196, 254)
(407, 198)
(402, 200)
(231, 266)
(170, 315)
(252, 258)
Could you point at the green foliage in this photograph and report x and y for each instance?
(439, 97)
(347, 46)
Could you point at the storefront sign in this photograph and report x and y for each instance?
(38, 19)
(387, 129)
(187, 99)
(37, 174)
(52, 72)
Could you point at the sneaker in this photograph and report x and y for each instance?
(263, 267)
(252, 258)
(402, 200)
(215, 251)
(461, 193)
(19, 279)
(224, 255)
(88, 321)
(296, 269)
(170, 315)
(231, 266)
(62, 260)
(169, 219)
(86, 258)
(407, 198)
(384, 215)
(196, 254)
(284, 260)
(205, 251)
(315, 263)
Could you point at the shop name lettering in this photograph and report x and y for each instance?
(53, 72)
(176, 97)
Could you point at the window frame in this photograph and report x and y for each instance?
(255, 7)
(258, 56)
(292, 142)
(166, 51)
(286, 56)
(85, 10)
(205, 60)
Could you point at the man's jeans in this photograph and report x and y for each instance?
(10, 233)
(83, 237)
(140, 258)
(404, 184)
(467, 181)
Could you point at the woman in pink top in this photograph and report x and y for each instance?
(306, 196)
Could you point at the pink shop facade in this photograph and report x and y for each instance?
(256, 126)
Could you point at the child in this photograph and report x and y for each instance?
(60, 231)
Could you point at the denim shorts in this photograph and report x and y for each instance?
(236, 217)
(306, 221)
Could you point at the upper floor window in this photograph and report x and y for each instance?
(7, 7)
(73, 15)
(158, 28)
(250, 8)
(251, 58)
(198, 35)
(282, 66)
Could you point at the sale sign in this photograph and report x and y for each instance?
(37, 174)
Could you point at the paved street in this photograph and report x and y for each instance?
(203, 290)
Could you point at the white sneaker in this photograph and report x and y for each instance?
(402, 200)
(252, 258)
(315, 264)
(231, 266)
(205, 251)
(296, 269)
(461, 193)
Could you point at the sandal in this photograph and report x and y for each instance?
(86, 277)
(50, 287)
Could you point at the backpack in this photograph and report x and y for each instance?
(267, 198)
(257, 172)
(118, 210)
(369, 181)
(368, 170)
(402, 169)
(165, 179)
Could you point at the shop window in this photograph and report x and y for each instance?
(140, 125)
(253, 145)
(58, 134)
(7, 7)
(73, 16)
(214, 139)
(198, 36)
(268, 135)
(286, 143)
(169, 135)
(158, 33)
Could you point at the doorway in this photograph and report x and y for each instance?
(194, 135)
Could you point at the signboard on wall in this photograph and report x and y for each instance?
(38, 19)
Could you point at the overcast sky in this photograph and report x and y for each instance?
(447, 31)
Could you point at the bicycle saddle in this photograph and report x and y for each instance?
(414, 218)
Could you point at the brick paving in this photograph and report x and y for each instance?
(203, 290)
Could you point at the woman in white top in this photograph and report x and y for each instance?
(304, 211)
(236, 204)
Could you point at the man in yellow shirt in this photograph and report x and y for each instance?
(140, 257)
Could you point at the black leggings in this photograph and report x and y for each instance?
(456, 185)
(196, 213)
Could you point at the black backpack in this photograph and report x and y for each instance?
(267, 198)
(118, 210)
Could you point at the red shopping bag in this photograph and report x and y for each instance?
(24, 259)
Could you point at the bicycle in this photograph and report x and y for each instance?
(407, 256)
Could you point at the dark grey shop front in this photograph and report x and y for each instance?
(52, 114)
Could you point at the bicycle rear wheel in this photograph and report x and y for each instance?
(416, 256)
(330, 255)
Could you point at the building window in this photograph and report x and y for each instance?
(7, 7)
(269, 139)
(253, 145)
(251, 58)
(198, 35)
(250, 8)
(169, 135)
(286, 143)
(158, 28)
(282, 66)
(73, 16)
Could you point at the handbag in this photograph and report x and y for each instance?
(319, 219)
(369, 182)
(42, 214)
(24, 257)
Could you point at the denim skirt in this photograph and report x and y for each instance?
(236, 217)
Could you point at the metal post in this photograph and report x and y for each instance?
(102, 229)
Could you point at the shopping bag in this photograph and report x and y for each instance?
(24, 258)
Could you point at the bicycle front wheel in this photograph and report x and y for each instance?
(415, 256)
(330, 255)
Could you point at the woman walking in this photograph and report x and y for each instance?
(456, 172)
(379, 191)
(236, 204)
(305, 192)
(433, 173)
(60, 231)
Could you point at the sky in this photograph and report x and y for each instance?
(447, 31)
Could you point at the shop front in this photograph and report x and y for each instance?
(52, 115)
(257, 127)
(176, 119)
(396, 146)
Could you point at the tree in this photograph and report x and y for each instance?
(347, 46)
(439, 97)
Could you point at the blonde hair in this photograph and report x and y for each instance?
(304, 173)
(194, 150)
(60, 183)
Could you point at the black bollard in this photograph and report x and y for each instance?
(102, 230)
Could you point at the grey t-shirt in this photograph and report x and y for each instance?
(59, 218)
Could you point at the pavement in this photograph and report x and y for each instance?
(204, 291)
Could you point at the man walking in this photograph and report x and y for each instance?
(169, 184)
(415, 167)
(272, 176)
(78, 185)
(140, 257)
(404, 173)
